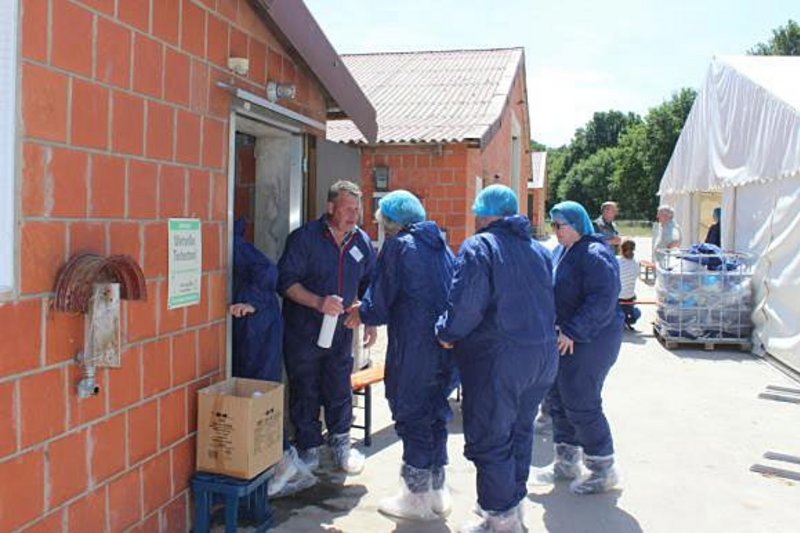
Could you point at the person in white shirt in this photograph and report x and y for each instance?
(628, 273)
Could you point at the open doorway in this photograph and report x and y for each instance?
(266, 189)
(268, 183)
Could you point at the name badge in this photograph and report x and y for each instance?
(356, 253)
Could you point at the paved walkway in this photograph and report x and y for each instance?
(688, 425)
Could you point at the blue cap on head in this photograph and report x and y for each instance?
(402, 207)
(495, 201)
(573, 214)
(717, 213)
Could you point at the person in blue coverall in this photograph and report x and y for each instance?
(500, 319)
(590, 333)
(324, 269)
(258, 342)
(408, 292)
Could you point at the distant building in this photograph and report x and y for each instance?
(537, 191)
(449, 123)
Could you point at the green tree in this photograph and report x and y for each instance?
(589, 180)
(602, 131)
(644, 152)
(537, 146)
(556, 171)
(785, 41)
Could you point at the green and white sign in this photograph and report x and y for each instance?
(185, 262)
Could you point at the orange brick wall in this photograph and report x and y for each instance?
(435, 173)
(122, 126)
(496, 156)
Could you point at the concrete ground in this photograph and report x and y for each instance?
(688, 425)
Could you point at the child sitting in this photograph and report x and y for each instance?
(628, 272)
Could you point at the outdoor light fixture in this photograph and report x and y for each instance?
(240, 65)
(280, 91)
(380, 176)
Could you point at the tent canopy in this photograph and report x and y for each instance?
(744, 126)
(742, 138)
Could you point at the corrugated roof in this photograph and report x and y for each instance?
(538, 170)
(441, 96)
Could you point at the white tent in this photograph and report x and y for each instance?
(742, 139)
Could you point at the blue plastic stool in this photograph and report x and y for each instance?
(206, 486)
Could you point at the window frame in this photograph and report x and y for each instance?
(9, 61)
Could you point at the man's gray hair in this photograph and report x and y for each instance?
(606, 205)
(666, 209)
(343, 186)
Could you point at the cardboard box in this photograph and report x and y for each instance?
(239, 427)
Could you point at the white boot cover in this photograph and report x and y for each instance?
(602, 476)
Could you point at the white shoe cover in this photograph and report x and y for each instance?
(507, 522)
(310, 458)
(291, 475)
(565, 467)
(353, 463)
(409, 505)
(602, 476)
(441, 501)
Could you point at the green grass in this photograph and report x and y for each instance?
(635, 228)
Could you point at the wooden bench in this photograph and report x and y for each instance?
(647, 269)
(361, 382)
(639, 302)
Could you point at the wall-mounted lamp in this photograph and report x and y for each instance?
(280, 91)
(380, 177)
(240, 65)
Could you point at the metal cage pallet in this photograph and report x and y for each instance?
(704, 299)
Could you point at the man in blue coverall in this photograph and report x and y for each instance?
(500, 319)
(324, 269)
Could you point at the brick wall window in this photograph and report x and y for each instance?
(8, 114)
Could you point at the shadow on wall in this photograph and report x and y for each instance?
(565, 512)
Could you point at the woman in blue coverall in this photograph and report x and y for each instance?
(500, 319)
(408, 292)
(257, 344)
(590, 333)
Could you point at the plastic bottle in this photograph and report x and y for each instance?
(327, 329)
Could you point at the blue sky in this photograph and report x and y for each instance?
(581, 56)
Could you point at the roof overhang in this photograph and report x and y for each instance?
(299, 29)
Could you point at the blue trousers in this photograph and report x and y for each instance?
(630, 311)
(502, 390)
(576, 403)
(319, 378)
(424, 432)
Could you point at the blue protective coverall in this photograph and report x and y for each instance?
(501, 317)
(586, 288)
(257, 337)
(408, 292)
(320, 376)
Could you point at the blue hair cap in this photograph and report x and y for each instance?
(573, 214)
(402, 207)
(495, 201)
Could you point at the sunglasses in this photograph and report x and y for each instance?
(558, 225)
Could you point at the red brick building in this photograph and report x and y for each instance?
(125, 115)
(449, 123)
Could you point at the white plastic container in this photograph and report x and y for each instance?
(328, 328)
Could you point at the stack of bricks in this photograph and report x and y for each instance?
(122, 127)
